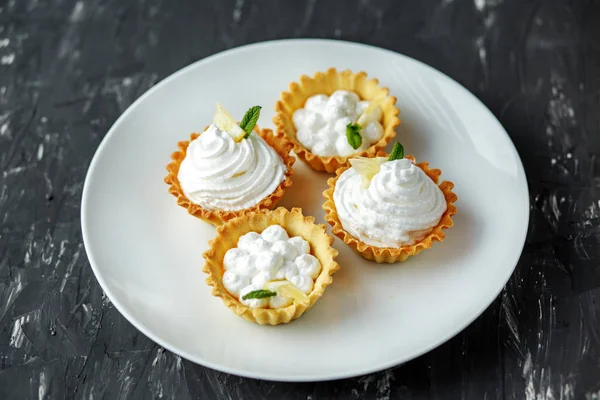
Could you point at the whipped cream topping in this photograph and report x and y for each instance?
(399, 208)
(220, 174)
(321, 124)
(267, 257)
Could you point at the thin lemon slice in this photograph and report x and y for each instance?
(367, 114)
(367, 168)
(225, 122)
(287, 289)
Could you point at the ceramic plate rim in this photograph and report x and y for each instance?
(442, 338)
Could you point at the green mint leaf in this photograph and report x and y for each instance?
(353, 135)
(258, 294)
(397, 152)
(250, 119)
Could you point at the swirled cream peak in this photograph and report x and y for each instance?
(219, 174)
(399, 207)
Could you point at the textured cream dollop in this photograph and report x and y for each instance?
(399, 208)
(267, 257)
(220, 174)
(321, 124)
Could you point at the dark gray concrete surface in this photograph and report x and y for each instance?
(69, 68)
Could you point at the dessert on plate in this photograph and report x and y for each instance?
(335, 115)
(270, 267)
(388, 208)
(230, 169)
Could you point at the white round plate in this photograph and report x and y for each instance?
(147, 252)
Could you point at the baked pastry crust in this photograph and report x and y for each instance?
(391, 254)
(326, 83)
(296, 224)
(218, 217)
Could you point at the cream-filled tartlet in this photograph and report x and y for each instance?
(399, 207)
(219, 174)
(334, 115)
(230, 169)
(270, 267)
(324, 124)
(389, 208)
(261, 264)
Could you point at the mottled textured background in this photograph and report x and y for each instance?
(69, 68)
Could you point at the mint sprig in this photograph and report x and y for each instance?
(250, 119)
(258, 294)
(353, 135)
(397, 152)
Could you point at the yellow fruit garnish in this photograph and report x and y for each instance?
(367, 114)
(287, 289)
(367, 168)
(225, 122)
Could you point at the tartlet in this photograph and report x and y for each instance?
(391, 254)
(218, 217)
(296, 224)
(326, 83)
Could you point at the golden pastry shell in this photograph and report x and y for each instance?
(326, 83)
(296, 224)
(218, 217)
(391, 254)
